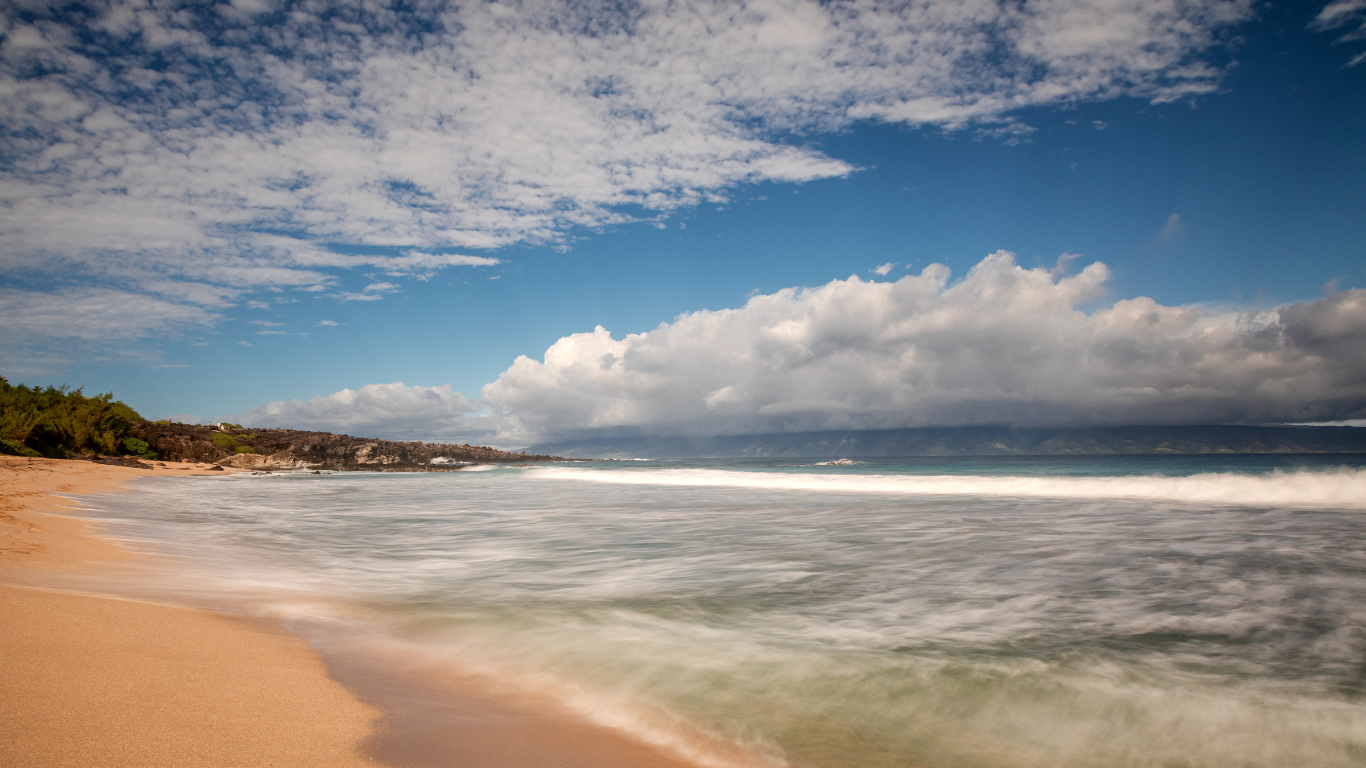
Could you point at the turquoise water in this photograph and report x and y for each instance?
(1004, 611)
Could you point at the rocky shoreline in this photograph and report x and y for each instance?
(279, 449)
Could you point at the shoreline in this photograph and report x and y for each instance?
(91, 680)
(105, 680)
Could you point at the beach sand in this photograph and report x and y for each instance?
(95, 681)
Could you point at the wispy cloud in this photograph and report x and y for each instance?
(1173, 228)
(202, 151)
(1344, 13)
(327, 323)
(884, 269)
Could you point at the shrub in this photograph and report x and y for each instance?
(138, 448)
(15, 448)
(245, 449)
(223, 441)
(58, 420)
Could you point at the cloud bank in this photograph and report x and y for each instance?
(379, 410)
(1004, 345)
(213, 149)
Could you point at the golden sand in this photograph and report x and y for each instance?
(92, 681)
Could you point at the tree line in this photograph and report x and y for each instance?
(58, 422)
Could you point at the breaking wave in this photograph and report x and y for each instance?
(1343, 487)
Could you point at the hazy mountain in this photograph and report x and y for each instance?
(974, 441)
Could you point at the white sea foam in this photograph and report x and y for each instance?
(761, 622)
(1332, 488)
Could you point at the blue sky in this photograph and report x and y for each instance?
(208, 260)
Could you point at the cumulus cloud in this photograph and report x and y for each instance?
(378, 410)
(1005, 345)
(214, 149)
(884, 269)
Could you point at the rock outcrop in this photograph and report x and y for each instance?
(276, 449)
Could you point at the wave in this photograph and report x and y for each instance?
(1331, 488)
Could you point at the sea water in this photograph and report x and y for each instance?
(1086, 611)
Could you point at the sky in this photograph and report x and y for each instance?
(516, 222)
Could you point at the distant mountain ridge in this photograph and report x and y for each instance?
(974, 441)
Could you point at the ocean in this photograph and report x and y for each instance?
(1004, 611)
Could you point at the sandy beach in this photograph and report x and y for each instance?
(95, 681)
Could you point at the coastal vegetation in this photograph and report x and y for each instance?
(59, 422)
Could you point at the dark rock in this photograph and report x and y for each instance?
(295, 449)
(121, 461)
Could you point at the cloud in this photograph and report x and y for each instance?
(1005, 345)
(377, 410)
(327, 323)
(1342, 13)
(1099, 125)
(207, 150)
(265, 322)
(1172, 229)
(885, 268)
(45, 331)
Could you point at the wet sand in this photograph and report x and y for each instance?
(92, 681)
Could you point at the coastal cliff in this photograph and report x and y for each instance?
(293, 449)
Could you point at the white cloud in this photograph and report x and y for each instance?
(1341, 13)
(91, 314)
(43, 332)
(327, 323)
(202, 151)
(1005, 345)
(377, 410)
(885, 268)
